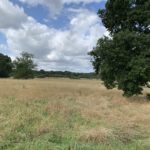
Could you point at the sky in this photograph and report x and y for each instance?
(59, 33)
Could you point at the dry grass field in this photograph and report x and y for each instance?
(65, 114)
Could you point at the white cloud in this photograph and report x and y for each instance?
(3, 48)
(59, 49)
(11, 15)
(55, 6)
(56, 49)
(81, 1)
(32, 37)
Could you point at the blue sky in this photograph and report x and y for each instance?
(58, 33)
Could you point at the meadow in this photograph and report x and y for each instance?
(67, 114)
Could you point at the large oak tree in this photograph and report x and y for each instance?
(123, 59)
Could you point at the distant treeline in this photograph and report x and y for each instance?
(23, 67)
(64, 74)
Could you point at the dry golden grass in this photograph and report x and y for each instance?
(106, 113)
(101, 135)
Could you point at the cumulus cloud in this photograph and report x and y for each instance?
(11, 16)
(5, 50)
(54, 6)
(81, 1)
(3, 47)
(57, 49)
(32, 37)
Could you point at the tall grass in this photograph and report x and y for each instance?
(64, 114)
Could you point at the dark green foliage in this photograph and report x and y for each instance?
(123, 59)
(5, 66)
(120, 15)
(64, 74)
(24, 66)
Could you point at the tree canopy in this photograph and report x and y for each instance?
(24, 66)
(5, 65)
(123, 59)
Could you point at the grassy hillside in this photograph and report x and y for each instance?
(65, 114)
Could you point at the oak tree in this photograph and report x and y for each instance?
(123, 59)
